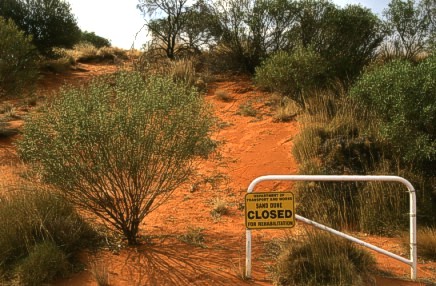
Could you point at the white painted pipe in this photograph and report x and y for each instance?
(412, 197)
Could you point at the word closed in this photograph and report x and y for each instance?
(269, 210)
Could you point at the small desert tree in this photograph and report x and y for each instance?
(165, 30)
(120, 146)
(412, 27)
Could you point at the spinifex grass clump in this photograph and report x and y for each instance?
(39, 231)
(119, 146)
(334, 141)
(426, 242)
(321, 259)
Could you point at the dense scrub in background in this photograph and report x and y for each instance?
(39, 233)
(49, 22)
(412, 28)
(96, 40)
(120, 146)
(402, 96)
(244, 33)
(292, 74)
(18, 59)
(385, 127)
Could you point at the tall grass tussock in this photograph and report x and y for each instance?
(338, 137)
(39, 233)
(320, 259)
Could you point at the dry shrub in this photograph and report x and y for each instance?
(219, 207)
(59, 65)
(426, 242)
(193, 236)
(183, 70)
(336, 140)
(84, 52)
(383, 206)
(286, 111)
(112, 53)
(247, 109)
(223, 95)
(100, 272)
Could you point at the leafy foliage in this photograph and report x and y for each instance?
(353, 36)
(96, 40)
(18, 59)
(346, 38)
(49, 22)
(119, 147)
(249, 30)
(291, 74)
(175, 26)
(403, 97)
(412, 27)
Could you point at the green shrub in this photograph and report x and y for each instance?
(18, 59)
(119, 146)
(50, 23)
(291, 74)
(44, 263)
(33, 223)
(321, 259)
(402, 96)
(95, 40)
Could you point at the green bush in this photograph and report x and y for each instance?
(33, 223)
(321, 259)
(50, 23)
(291, 74)
(119, 146)
(92, 38)
(402, 96)
(18, 59)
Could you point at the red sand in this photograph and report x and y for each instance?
(250, 147)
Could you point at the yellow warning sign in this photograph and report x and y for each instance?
(269, 210)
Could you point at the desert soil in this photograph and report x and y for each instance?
(249, 147)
